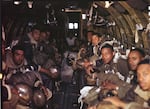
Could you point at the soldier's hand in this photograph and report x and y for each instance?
(109, 85)
(54, 74)
(86, 63)
(44, 90)
(82, 50)
(49, 73)
(88, 70)
(116, 101)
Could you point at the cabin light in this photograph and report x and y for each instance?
(17, 2)
(83, 16)
(108, 4)
(62, 10)
(148, 7)
(30, 4)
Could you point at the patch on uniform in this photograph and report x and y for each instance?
(120, 76)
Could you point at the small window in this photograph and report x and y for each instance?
(70, 25)
(73, 25)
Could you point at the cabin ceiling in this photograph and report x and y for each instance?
(39, 9)
(9, 8)
(127, 14)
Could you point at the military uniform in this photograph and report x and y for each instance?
(132, 78)
(115, 73)
(93, 50)
(17, 70)
(120, 68)
(136, 94)
(30, 46)
(23, 74)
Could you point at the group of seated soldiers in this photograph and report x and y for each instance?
(120, 80)
(30, 67)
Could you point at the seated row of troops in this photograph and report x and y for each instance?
(27, 63)
(119, 75)
(36, 53)
(138, 97)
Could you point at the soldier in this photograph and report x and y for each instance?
(16, 64)
(87, 45)
(71, 40)
(107, 65)
(137, 97)
(18, 71)
(31, 42)
(48, 57)
(89, 37)
(31, 48)
(89, 41)
(96, 42)
(15, 61)
(46, 46)
(134, 57)
(109, 72)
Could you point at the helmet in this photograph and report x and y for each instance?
(39, 98)
(25, 93)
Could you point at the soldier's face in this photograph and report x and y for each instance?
(89, 36)
(43, 36)
(143, 74)
(107, 55)
(36, 34)
(134, 58)
(18, 57)
(95, 40)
